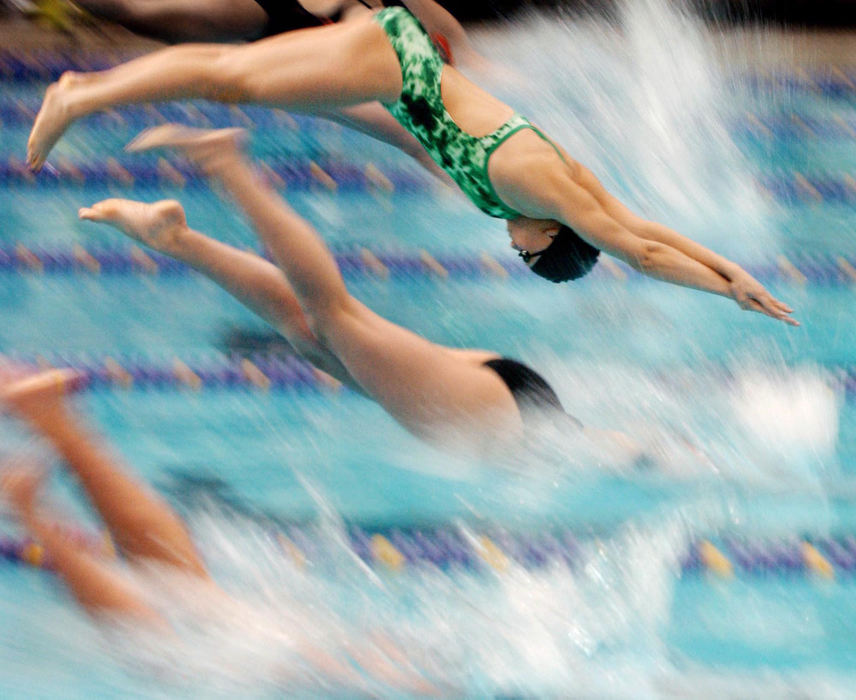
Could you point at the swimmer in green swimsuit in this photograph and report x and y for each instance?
(557, 210)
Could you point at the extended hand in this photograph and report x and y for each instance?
(751, 295)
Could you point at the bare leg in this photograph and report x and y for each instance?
(95, 585)
(184, 20)
(427, 387)
(311, 69)
(142, 525)
(374, 120)
(255, 282)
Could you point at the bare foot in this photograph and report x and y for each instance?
(20, 486)
(210, 149)
(37, 397)
(53, 119)
(157, 225)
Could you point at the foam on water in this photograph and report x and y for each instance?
(644, 103)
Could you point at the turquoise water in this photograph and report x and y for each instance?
(766, 402)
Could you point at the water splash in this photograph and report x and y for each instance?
(645, 102)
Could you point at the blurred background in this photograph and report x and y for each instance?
(732, 576)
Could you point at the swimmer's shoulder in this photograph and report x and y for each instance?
(531, 148)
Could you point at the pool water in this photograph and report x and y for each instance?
(772, 406)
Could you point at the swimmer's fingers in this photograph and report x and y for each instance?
(751, 295)
(771, 310)
(776, 309)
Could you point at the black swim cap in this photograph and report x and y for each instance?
(568, 257)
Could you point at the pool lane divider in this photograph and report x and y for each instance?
(296, 173)
(396, 549)
(301, 174)
(258, 371)
(359, 262)
(261, 372)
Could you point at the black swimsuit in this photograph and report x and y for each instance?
(288, 15)
(533, 395)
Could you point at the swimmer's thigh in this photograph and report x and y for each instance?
(329, 66)
(424, 386)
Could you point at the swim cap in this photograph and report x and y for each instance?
(568, 257)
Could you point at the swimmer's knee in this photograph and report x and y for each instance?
(326, 319)
(231, 75)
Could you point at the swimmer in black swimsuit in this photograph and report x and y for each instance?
(177, 21)
(471, 401)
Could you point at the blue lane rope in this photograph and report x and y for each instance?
(276, 371)
(297, 173)
(127, 120)
(355, 262)
(449, 548)
(300, 173)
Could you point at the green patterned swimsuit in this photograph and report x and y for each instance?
(420, 110)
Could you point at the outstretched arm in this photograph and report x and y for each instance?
(662, 261)
(743, 288)
(553, 193)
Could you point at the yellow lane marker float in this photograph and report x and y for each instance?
(807, 188)
(492, 266)
(167, 171)
(292, 550)
(118, 374)
(714, 560)
(34, 554)
(70, 170)
(84, 258)
(186, 375)
(846, 268)
(790, 270)
(28, 258)
(371, 261)
(816, 562)
(118, 173)
(758, 126)
(322, 177)
(491, 553)
(384, 551)
(254, 375)
(144, 261)
(432, 265)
